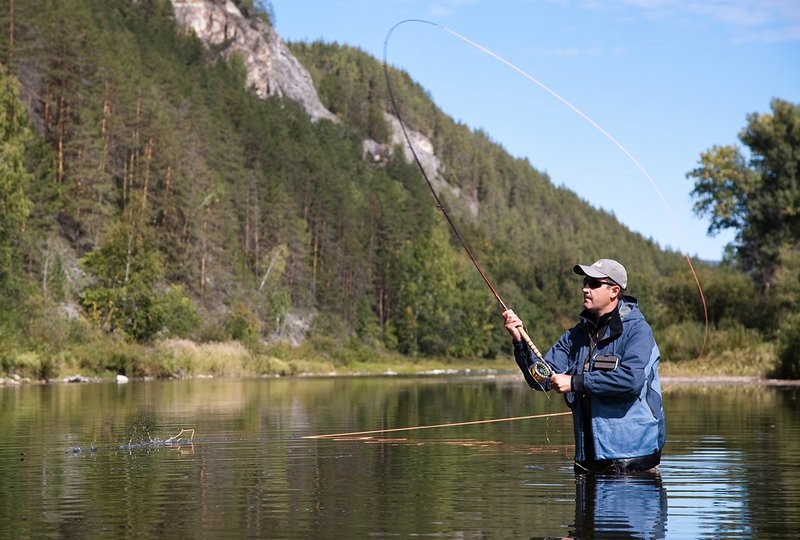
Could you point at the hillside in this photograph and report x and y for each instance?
(180, 186)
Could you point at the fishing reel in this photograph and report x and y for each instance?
(541, 371)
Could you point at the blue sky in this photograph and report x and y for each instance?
(667, 79)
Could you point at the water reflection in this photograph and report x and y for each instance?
(102, 461)
(627, 506)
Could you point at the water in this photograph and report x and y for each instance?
(111, 461)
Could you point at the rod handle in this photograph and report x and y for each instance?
(529, 341)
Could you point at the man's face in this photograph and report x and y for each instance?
(599, 295)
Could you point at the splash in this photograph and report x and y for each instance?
(182, 440)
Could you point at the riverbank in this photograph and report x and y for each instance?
(667, 381)
(184, 359)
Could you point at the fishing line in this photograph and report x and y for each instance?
(539, 366)
(470, 423)
(565, 102)
(453, 424)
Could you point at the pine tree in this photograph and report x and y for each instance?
(15, 137)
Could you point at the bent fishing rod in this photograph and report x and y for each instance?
(574, 109)
(540, 370)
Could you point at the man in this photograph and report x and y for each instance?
(607, 368)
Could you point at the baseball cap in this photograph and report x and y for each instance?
(604, 268)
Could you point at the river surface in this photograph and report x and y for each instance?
(287, 458)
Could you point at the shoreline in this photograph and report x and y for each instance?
(666, 381)
(728, 380)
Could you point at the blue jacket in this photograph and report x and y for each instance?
(616, 398)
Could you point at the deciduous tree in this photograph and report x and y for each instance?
(756, 194)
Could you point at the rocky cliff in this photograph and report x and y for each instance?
(274, 71)
(271, 68)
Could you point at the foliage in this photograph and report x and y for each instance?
(126, 296)
(199, 210)
(444, 312)
(789, 348)
(242, 324)
(758, 197)
(785, 300)
(15, 137)
(180, 317)
(681, 341)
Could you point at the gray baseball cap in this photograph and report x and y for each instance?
(604, 268)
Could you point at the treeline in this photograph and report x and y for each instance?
(147, 195)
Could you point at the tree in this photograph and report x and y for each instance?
(15, 136)
(758, 197)
(441, 307)
(127, 295)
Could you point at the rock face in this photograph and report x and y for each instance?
(434, 169)
(271, 68)
(274, 71)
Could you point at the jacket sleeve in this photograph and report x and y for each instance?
(559, 354)
(557, 357)
(523, 355)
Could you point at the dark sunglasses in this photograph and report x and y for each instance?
(593, 283)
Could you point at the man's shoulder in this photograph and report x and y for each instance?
(629, 308)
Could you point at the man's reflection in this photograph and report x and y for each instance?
(620, 506)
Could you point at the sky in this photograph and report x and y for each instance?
(648, 84)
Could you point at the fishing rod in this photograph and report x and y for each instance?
(540, 370)
(577, 111)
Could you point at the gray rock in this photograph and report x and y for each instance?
(272, 70)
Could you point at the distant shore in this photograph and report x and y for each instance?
(666, 381)
(728, 380)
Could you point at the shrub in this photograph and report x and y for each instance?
(789, 348)
(180, 314)
(681, 341)
(242, 324)
(110, 355)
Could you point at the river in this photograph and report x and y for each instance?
(288, 458)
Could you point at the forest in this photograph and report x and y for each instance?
(159, 217)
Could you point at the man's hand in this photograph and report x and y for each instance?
(561, 383)
(512, 324)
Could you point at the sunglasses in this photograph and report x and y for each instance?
(593, 283)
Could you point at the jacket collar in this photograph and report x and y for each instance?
(613, 320)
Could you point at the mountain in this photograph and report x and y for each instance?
(195, 176)
(273, 70)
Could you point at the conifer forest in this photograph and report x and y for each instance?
(153, 204)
